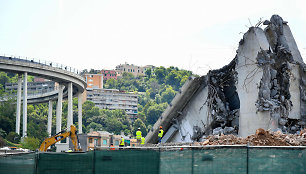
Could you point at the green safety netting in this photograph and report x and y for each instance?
(127, 161)
(277, 160)
(65, 163)
(18, 164)
(178, 160)
(212, 160)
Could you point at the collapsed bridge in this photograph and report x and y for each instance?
(264, 86)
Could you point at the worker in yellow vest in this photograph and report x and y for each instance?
(160, 134)
(121, 142)
(138, 136)
(143, 139)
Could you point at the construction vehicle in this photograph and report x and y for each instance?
(60, 136)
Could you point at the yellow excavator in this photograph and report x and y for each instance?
(60, 136)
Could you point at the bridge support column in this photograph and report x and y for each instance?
(70, 107)
(50, 118)
(18, 105)
(25, 104)
(59, 109)
(80, 113)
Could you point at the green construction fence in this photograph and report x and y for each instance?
(163, 160)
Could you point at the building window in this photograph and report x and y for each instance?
(116, 142)
(105, 142)
(90, 140)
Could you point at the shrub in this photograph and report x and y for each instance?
(13, 137)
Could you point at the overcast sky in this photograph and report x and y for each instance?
(100, 34)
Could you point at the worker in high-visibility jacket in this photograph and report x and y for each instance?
(138, 136)
(160, 134)
(121, 142)
(143, 139)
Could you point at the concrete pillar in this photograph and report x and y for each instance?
(18, 105)
(80, 113)
(25, 104)
(249, 76)
(50, 118)
(59, 109)
(70, 108)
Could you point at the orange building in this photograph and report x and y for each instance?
(94, 81)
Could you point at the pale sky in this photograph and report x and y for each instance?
(100, 34)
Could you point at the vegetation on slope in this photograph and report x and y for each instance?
(156, 90)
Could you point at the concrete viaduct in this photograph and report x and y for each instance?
(71, 83)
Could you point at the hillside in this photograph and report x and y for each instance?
(156, 90)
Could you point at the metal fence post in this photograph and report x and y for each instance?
(158, 163)
(192, 160)
(36, 162)
(247, 165)
(94, 162)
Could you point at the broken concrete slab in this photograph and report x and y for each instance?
(264, 86)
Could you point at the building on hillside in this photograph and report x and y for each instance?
(94, 81)
(133, 142)
(264, 86)
(114, 99)
(103, 139)
(109, 74)
(134, 69)
(149, 67)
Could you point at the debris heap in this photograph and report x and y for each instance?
(261, 138)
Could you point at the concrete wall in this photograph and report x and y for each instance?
(295, 92)
(194, 114)
(249, 76)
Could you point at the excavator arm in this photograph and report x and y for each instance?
(60, 136)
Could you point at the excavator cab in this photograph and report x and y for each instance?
(72, 134)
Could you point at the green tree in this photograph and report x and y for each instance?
(139, 124)
(148, 73)
(13, 137)
(168, 95)
(114, 125)
(160, 74)
(4, 78)
(155, 111)
(30, 143)
(94, 126)
(7, 115)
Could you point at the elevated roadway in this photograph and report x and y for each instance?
(71, 83)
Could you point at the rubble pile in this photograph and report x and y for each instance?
(261, 138)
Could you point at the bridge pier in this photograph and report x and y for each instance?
(80, 113)
(25, 104)
(50, 118)
(18, 104)
(70, 107)
(59, 109)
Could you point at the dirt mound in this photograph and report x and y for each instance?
(261, 138)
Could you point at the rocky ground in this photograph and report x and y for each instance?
(260, 138)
